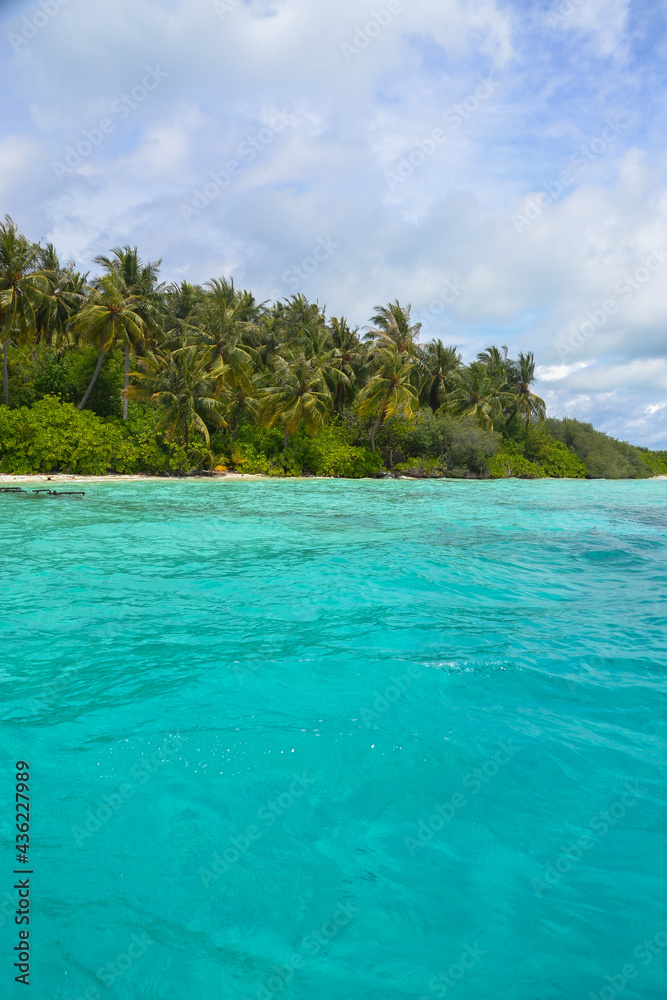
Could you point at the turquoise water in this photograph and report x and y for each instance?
(328, 739)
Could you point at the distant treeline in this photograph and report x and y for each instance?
(123, 373)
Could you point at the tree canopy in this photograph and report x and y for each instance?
(211, 361)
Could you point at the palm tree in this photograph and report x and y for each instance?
(241, 394)
(393, 328)
(477, 393)
(49, 264)
(182, 301)
(23, 288)
(268, 339)
(440, 365)
(317, 346)
(185, 387)
(350, 357)
(138, 281)
(526, 402)
(67, 296)
(135, 276)
(299, 395)
(222, 320)
(315, 341)
(110, 317)
(390, 392)
(495, 359)
(297, 314)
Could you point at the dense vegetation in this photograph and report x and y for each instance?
(122, 373)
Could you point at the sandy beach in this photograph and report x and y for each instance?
(63, 477)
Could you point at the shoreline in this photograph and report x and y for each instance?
(68, 477)
(60, 478)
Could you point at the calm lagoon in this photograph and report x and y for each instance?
(325, 739)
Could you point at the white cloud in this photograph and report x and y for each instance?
(602, 21)
(554, 373)
(351, 121)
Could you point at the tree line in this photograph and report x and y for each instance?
(209, 357)
(246, 383)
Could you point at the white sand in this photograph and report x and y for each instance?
(62, 477)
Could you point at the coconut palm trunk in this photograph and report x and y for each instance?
(127, 380)
(5, 372)
(380, 421)
(376, 427)
(389, 392)
(23, 289)
(98, 366)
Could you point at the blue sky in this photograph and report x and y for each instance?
(500, 166)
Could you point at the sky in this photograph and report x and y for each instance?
(502, 167)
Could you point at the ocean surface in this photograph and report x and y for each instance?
(320, 739)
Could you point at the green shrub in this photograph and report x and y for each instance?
(510, 463)
(53, 436)
(56, 437)
(39, 371)
(391, 440)
(53, 376)
(559, 462)
(472, 447)
(656, 461)
(23, 370)
(249, 461)
(151, 451)
(106, 399)
(327, 455)
(461, 447)
(431, 435)
(530, 452)
(259, 451)
(604, 456)
(538, 446)
(421, 468)
(254, 451)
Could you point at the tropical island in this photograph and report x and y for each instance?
(122, 373)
